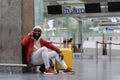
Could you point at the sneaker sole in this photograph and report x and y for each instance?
(72, 73)
(50, 73)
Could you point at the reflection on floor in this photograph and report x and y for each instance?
(86, 69)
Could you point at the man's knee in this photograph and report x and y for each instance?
(53, 54)
(44, 48)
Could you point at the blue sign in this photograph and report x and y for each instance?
(67, 11)
(80, 10)
(109, 29)
(77, 11)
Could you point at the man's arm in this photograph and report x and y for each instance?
(25, 40)
(53, 47)
(50, 45)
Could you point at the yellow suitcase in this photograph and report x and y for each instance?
(67, 52)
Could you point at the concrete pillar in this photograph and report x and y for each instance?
(16, 20)
(27, 23)
(10, 33)
(27, 16)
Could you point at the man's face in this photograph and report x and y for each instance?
(36, 33)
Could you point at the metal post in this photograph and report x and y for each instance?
(66, 43)
(110, 52)
(97, 51)
(80, 36)
(104, 45)
(81, 54)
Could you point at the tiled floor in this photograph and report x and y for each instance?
(86, 69)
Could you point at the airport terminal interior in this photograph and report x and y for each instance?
(90, 28)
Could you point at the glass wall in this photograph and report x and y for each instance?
(95, 28)
(60, 28)
(39, 12)
(65, 27)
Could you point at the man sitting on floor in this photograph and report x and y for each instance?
(37, 51)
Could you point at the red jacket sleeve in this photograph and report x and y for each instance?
(50, 45)
(25, 40)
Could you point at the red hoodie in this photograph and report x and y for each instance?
(28, 43)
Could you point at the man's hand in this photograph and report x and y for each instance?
(61, 56)
(31, 33)
(29, 65)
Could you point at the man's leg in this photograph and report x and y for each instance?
(42, 67)
(36, 57)
(55, 55)
(41, 57)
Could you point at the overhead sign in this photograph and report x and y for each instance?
(74, 11)
(109, 29)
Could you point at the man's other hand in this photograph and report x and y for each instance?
(61, 56)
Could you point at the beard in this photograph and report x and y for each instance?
(36, 37)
